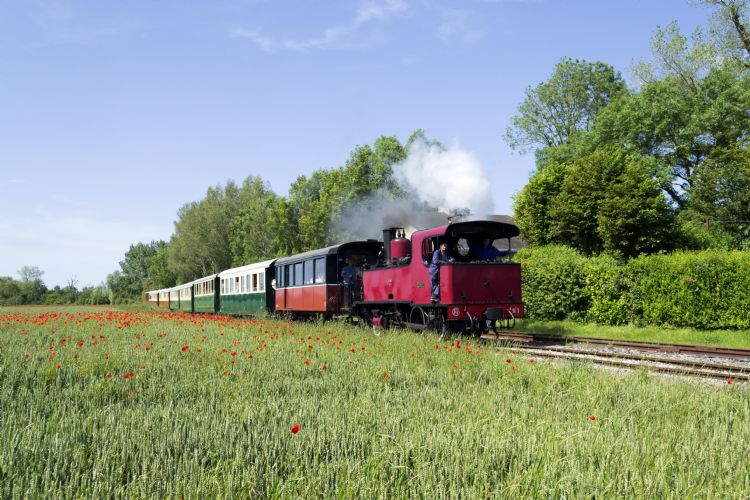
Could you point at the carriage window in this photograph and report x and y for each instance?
(262, 281)
(237, 284)
(222, 287)
(309, 276)
(298, 274)
(279, 277)
(288, 275)
(320, 270)
(255, 282)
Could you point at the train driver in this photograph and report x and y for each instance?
(487, 252)
(441, 256)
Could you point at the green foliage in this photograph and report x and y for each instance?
(555, 111)
(633, 216)
(703, 290)
(606, 284)
(531, 204)
(200, 245)
(552, 280)
(134, 275)
(251, 240)
(706, 289)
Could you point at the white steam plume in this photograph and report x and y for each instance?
(450, 179)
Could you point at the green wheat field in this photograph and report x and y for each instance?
(102, 403)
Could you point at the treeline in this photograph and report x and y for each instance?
(30, 289)
(237, 224)
(662, 166)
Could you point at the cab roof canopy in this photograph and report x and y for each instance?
(481, 229)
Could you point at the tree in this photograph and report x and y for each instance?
(200, 245)
(532, 203)
(159, 274)
(634, 216)
(134, 275)
(610, 201)
(730, 29)
(721, 195)
(250, 236)
(556, 110)
(680, 126)
(30, 273)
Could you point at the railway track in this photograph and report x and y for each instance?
(675, 359)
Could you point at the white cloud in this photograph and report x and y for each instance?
(334, 36)
(458, 26)
(84, 247)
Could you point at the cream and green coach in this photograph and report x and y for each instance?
(247, 289)
(205, 298)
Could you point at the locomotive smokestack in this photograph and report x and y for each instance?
(388, 235)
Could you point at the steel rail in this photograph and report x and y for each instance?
(690, 349)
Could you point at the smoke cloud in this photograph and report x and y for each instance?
(437, 182)
(450, 179)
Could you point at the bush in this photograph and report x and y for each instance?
(606, 286)
(706, 289)
(552, 280)
(697, 289)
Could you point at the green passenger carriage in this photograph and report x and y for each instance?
(185, 297)
(246, 289)
(205, 298)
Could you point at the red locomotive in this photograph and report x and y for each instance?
(475, 295)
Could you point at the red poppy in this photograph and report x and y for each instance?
(729, 381)
(385, 375)
(234, 353)
(508, 360)
(109, 375)
(184, 348)
(295, 428)
(592, 417)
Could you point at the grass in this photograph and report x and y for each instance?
(718, 338)
(396, 415)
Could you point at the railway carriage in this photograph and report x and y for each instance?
(184, 295)
(247, 289)
(205, 296)
(310, 283)
(163, 298)
(152, 298)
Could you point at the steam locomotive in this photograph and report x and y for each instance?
(392, 286)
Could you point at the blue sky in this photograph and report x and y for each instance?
(114, 114)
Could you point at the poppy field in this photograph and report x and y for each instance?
(105, 403)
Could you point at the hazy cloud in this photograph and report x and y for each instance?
(70, 245)
(334, 36)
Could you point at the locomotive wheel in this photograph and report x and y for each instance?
(417, 316)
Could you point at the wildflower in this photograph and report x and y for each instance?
(385, 375)
(295, 428)
(234, 353)
(508, 360)
(185, 348)
(109, 375)
(225, 373)
(592, 417)
(729, 381)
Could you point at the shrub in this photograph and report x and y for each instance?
(552, 278)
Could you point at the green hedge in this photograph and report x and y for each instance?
(708, 289)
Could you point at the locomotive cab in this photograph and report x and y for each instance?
(477, 287)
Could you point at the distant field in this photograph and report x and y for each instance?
(104, 403)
